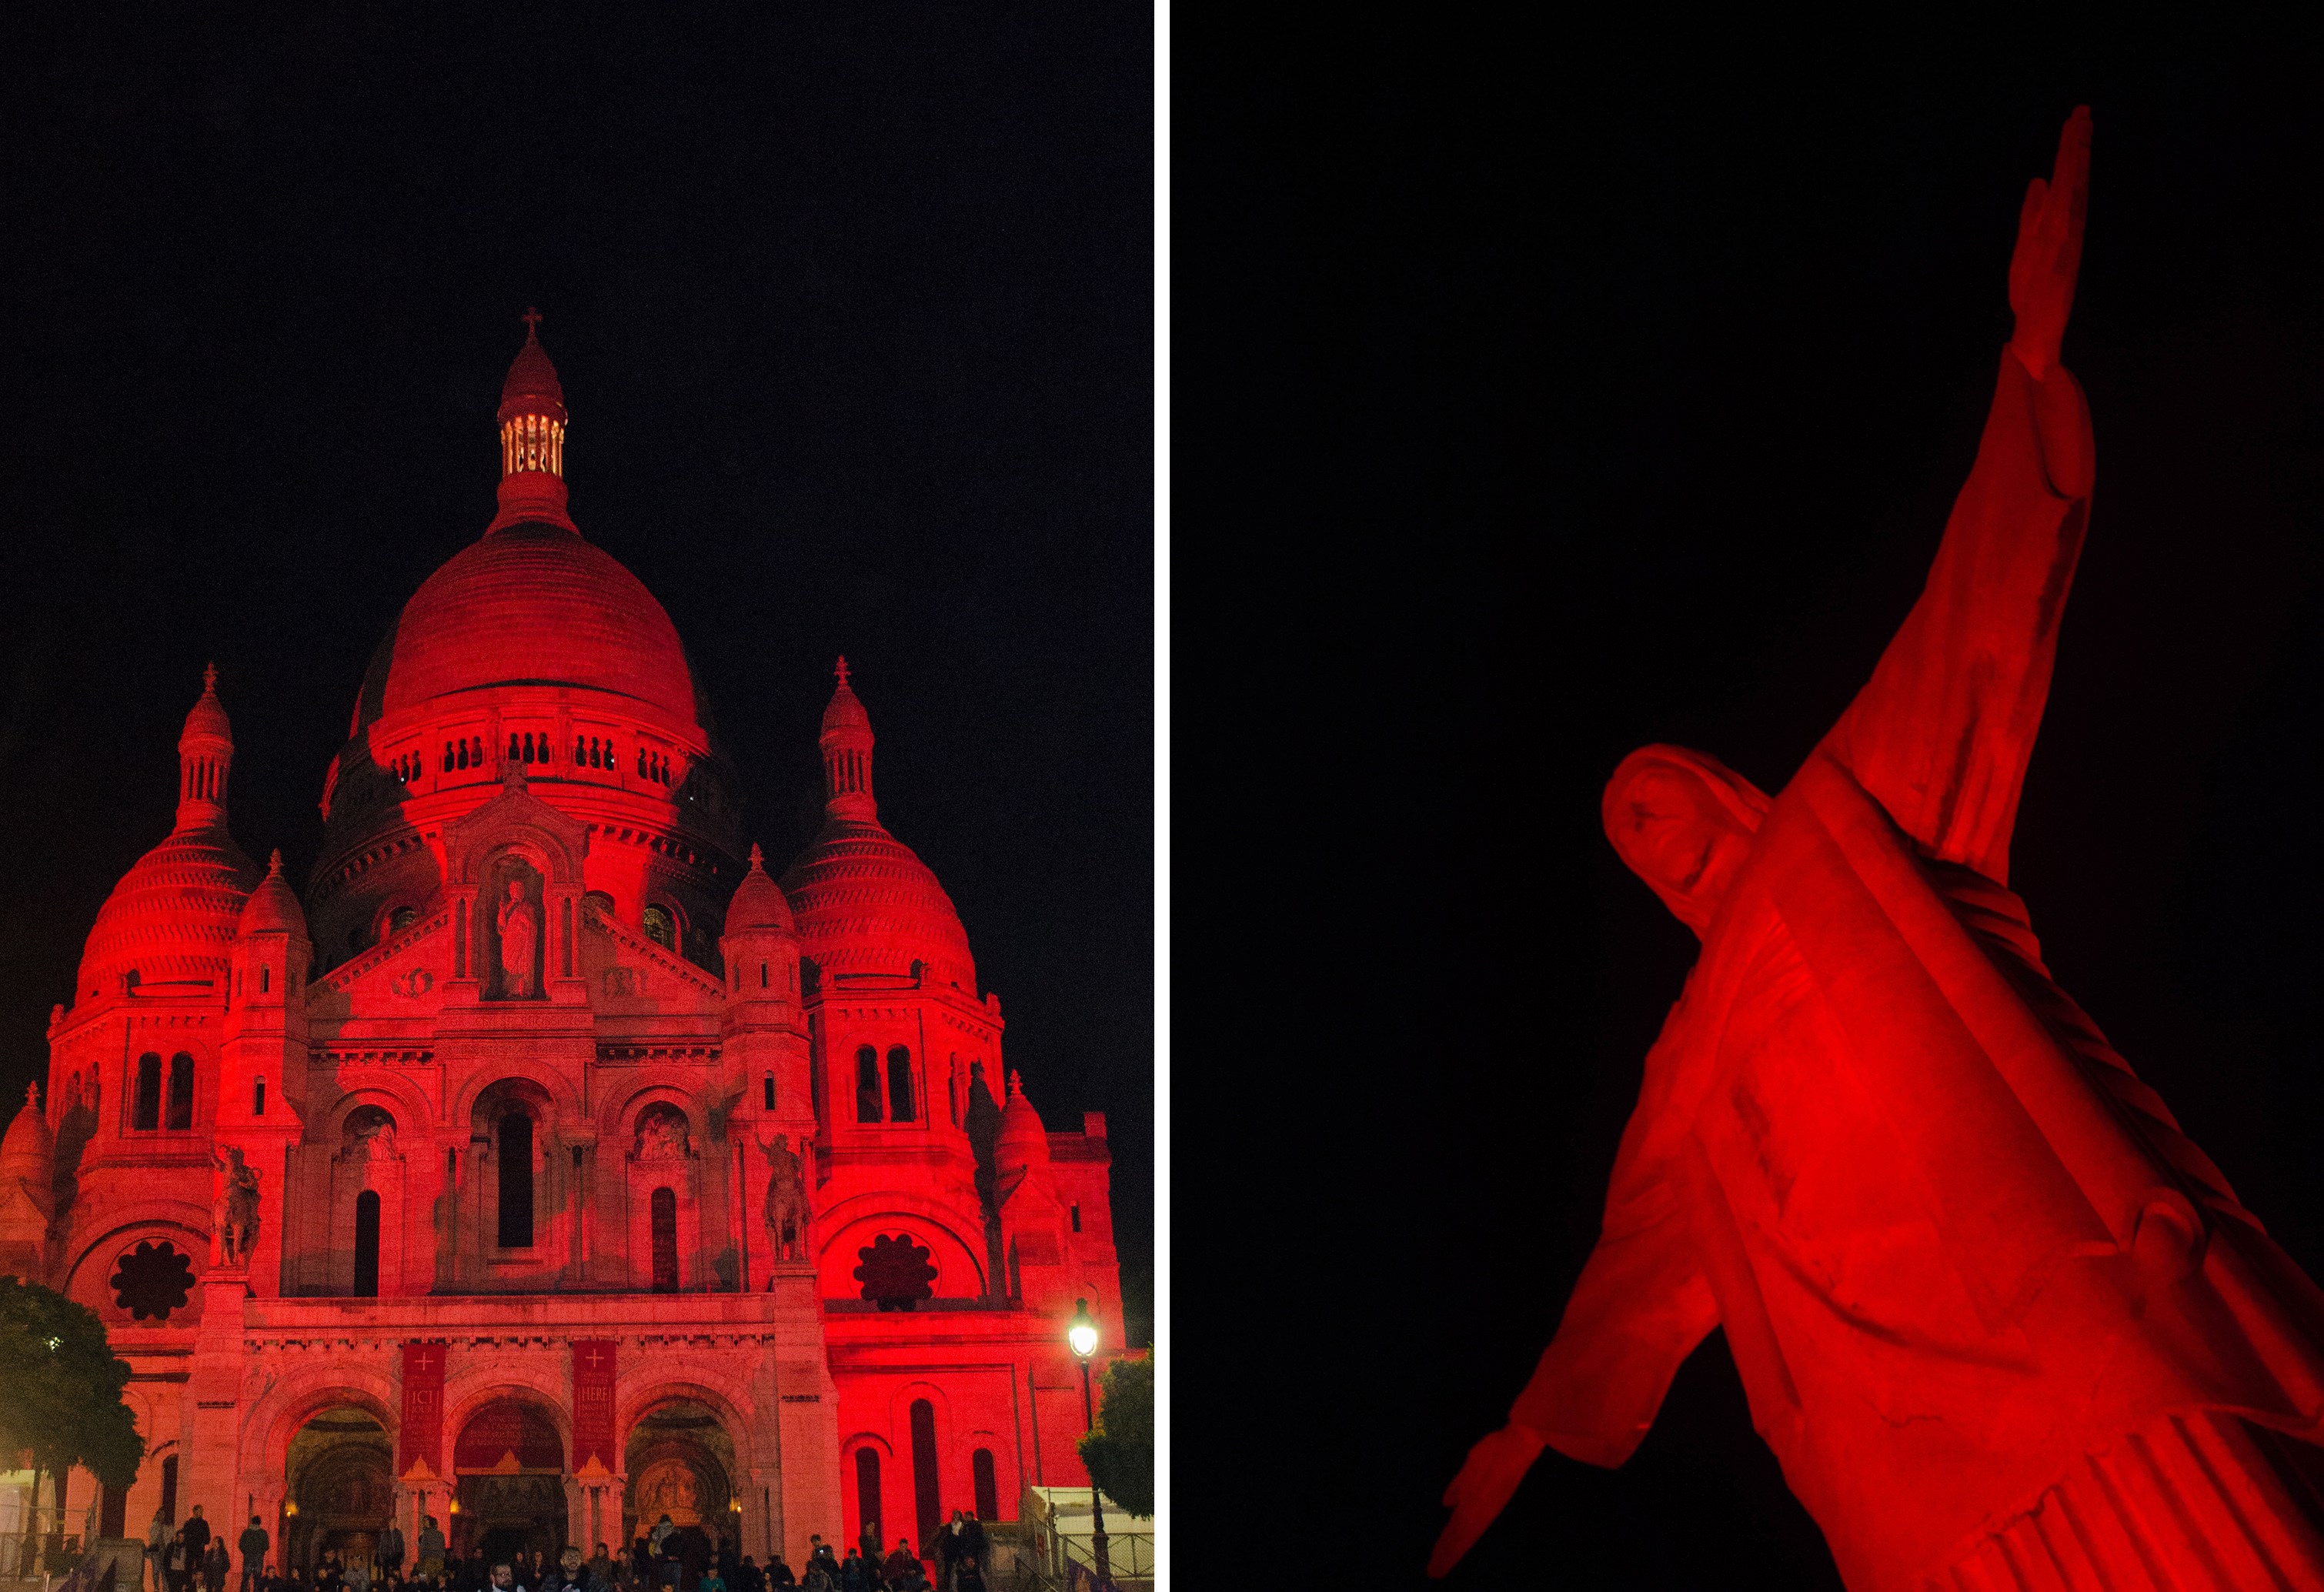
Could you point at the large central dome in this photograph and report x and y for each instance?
(532, 604)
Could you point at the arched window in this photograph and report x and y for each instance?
(988, 1491)
(475, 751)
(147, 1113)
(258, 1095)
(867, 1084)
(771, 1091)
(402, 918)
(641, 762)
(265, 978)
(660, 929)
(952, 1093)
(516, 1182)
(599, 902)
(867, 1490)
(899, 1085)
(448, 756)
(169, 1489)
(182, 1092)
(926, 1494)
(367, 1243)
(664, 1241)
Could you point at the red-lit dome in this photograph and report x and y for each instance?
(172, 918)
(534, 605)
(864, 902)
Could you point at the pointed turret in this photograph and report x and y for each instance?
(532, 423)
(758, 902)
(273, 907)
(205, 757)
(28, 1201)
(1022, 1143)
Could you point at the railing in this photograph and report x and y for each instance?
(27, 1556)
(1071, 1565)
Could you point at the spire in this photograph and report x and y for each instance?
(532, 421)
(846, 742)
(205, 754)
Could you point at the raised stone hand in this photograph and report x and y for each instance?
(1488, 1478)
(2048, 251)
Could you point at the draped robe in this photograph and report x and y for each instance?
(2001, 1322)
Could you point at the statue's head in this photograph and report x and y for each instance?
(516, 889)
(1682, 821)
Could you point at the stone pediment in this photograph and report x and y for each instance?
(646, 954)
(515, 816)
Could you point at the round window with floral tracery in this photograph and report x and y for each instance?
(153, 1280)
(895, 1271)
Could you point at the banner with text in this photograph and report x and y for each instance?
(592, 1403)
(423, 1412)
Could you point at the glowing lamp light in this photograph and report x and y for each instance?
(1083, 1333)
(456, 1506)
(292, 1508)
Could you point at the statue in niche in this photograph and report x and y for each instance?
(661, 1136)
(787, 1198)
(1975, 1279)
(517, 916)
(233, 1208)
(370, 1135)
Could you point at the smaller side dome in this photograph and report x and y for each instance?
(30, 1149)
(272, 907)
(758, 902)
(1022, 1141)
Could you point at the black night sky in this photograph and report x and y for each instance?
(1664, 361)
(853, 311)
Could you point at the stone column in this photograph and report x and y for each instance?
(210, 1470)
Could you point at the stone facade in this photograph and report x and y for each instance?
(546, 1070)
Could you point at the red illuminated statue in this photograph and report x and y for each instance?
(2001, 1322)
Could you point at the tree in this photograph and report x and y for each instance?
(64, 1389)
(1119, 1453)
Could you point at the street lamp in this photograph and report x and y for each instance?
(1082, 1335)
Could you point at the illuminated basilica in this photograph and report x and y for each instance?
(550, 1165)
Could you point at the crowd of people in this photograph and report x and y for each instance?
(193, 1558)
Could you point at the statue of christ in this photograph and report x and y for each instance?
(2002, 1324)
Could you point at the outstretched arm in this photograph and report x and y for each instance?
(1641, 1305)
(1941, 735)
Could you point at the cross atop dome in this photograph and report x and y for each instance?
(531, 319)
(842, 670)
(209, 679)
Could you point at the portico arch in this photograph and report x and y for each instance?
(508, 1463)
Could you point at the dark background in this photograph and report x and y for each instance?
(853, 312)
(1667, 355)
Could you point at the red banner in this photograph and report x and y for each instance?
(423, 1410)
(593, 1402)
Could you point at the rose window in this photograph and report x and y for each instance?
(153, 1280)
(895, 1271)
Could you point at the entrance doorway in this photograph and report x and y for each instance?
(341, 1488)
(681, 1463)
(510, 1465)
